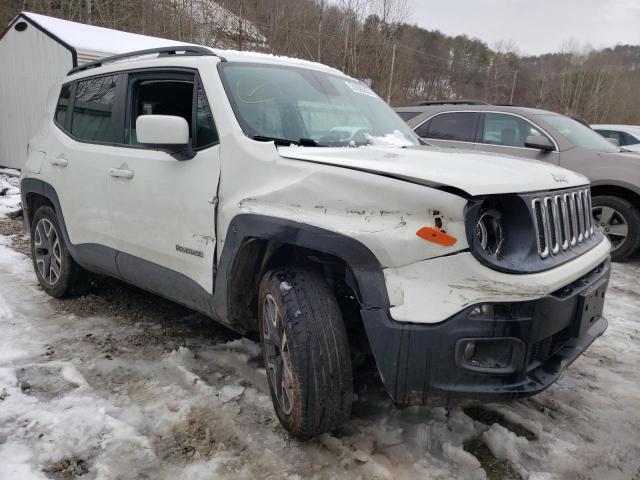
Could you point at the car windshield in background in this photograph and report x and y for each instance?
(579, 135)
(309, 107)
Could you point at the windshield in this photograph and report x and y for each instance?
(310, 108)
(579, 135)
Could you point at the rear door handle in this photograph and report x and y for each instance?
(60, 161)
(120, 173)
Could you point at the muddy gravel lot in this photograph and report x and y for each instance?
(121, 384)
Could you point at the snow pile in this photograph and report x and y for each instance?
(9, 191)
(393, 139)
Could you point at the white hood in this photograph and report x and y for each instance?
(476, 173)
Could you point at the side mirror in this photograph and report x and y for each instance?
(168, 133)
(613, 141)
(540, 142)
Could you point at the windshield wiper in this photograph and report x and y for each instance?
(278, 141)
(285, 142)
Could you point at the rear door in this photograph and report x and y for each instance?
(163, 209)
(450, 129)
(506, 133)
(77, 160)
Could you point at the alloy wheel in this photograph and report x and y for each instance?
(277, 354)
(47, 251)
(611, 223)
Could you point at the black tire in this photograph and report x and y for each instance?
(321, 384)
(621, 250)
(71, 278)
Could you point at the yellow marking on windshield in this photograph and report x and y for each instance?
(251, 94)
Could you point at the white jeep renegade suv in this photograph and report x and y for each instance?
(282, 197)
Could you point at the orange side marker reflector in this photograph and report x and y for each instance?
(436, 235)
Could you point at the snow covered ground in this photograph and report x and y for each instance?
(104, 392)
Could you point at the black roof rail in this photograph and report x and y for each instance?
(426, 103)
(187, 49)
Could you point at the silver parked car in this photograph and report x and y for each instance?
(550, 137)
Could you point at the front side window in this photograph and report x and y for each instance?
(60, 116)
(92, 119)
(631, 139)
(310, 107)
(578, 134)
(507, 130)
(455, 126)
(171, 94)
(151, 95)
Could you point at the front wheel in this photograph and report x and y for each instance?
(619, 220)
(305, 350)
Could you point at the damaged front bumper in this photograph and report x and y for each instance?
(489, 351)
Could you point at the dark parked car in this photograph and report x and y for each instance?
(550, 137)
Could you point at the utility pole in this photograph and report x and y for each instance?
(320, 31)
(87, 4)
(513, 87)
(393, 63)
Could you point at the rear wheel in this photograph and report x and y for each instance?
(306, 351)
(58, 273)
(619, 220)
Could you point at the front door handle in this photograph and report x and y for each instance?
(120, 173)
(60, 161)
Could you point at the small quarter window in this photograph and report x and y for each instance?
(63, 106)
(206, 133)
(92, 118)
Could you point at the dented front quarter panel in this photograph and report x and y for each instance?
(382, 213)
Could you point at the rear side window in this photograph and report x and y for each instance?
(457, 126)
(92, 119)
(62, 106)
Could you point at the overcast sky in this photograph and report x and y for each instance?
(535, 26)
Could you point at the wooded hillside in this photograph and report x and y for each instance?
(360, 38)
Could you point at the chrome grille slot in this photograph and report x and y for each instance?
(577, 198)
(554, 232)
(587, 213)
(541, 228)
(562, 221)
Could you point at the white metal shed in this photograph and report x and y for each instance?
(36, 52)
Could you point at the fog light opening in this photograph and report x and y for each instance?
(490, 355)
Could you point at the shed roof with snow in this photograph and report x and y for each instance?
(36, 52)
(87, 42)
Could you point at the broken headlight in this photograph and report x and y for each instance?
(489, 231)
(500, 232)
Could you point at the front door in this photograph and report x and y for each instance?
(163, 209)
